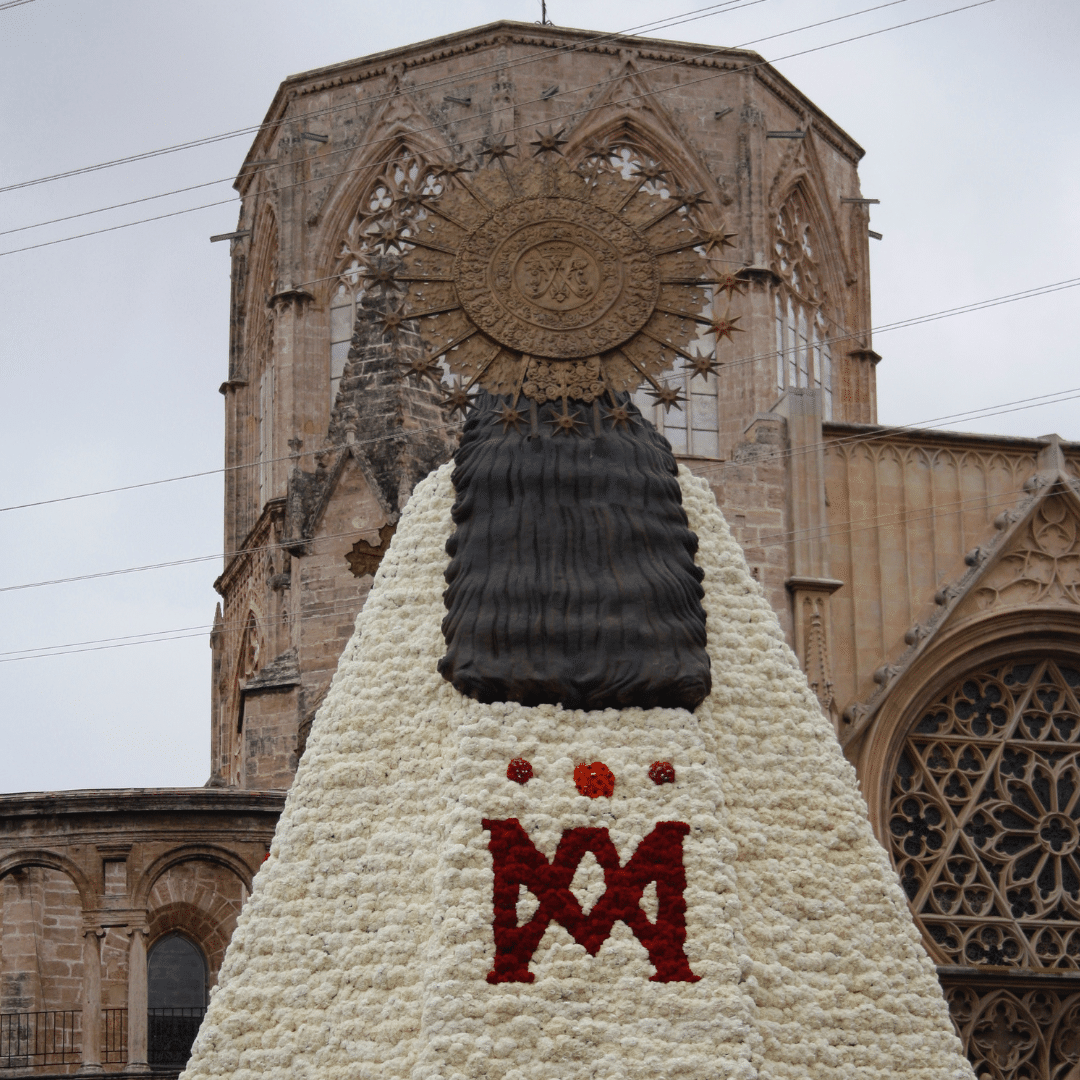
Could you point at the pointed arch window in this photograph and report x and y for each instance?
(376, 232)
(803, 348)
(694, 428)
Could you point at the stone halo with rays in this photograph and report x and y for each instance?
(533, 279)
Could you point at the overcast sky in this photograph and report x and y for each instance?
(112, 346)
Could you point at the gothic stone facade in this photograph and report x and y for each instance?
(928, 581)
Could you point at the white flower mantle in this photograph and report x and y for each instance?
(364, 949)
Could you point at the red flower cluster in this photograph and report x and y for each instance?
(662, 772)
(519, 770)
(594, 780)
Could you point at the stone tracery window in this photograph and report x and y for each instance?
(693, 428)
(1021, 1034)
(376, 231)
(984, 830)
(803, 352)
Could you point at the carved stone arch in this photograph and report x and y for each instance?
(632, 130)
(994, 637)
(50, 860)
(830, 264)
(261, 284)
(800, 173)
(190, 853)
(187, 921)
(358, 178)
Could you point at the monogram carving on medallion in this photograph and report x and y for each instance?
(528, 277)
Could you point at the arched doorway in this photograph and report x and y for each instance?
(176, 998)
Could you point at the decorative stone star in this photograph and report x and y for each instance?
(566, 421)
(725, 327)
(620, 416)
(509, 416)
(423, 367)
(549, 141)
(667, 396)
(692, 200)
(390, 234)
(458, 399)
(704, 367)
(497, 147)
(650, 172)
(392, 320)
(731, 284)
(712, 239)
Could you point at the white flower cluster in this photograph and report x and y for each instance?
(364, 949)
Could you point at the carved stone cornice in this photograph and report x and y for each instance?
(814, 584)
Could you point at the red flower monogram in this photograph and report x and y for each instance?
(658, 858)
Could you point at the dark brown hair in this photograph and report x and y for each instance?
(572, 576)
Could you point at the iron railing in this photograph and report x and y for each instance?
(170, 1033)
(40, 1038)
(114, 1045)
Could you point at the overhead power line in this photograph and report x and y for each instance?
(1009, 406)
(889, 519)
(979, 305)
(564, 116)
(207, 140)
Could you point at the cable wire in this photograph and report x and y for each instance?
(1026, 294)
(1014, 406)
(658, 24)
(888, 519)
(564, 116)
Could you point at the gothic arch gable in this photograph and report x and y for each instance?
(800, 174)
(358, 175)
(1032, 565)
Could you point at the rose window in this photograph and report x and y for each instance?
(983, 818)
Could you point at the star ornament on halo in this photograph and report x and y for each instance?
(390, 234)
(667, 396)
(725, 327)
(549, 141)
(379, 273)
(423, 367)
(620, 416)
(704, 366)
(497, 147)
(510, 416)
(730, 283)
(717, 239)
(692, 200)
(458, 399)
(650, 173)
(392, 320)
(565, 421)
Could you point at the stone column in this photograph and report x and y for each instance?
(91, 1002)
(137, 1002)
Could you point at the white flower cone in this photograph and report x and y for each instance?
(365, 947)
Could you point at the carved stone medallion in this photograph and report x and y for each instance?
(540, 279)
(556, 277)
